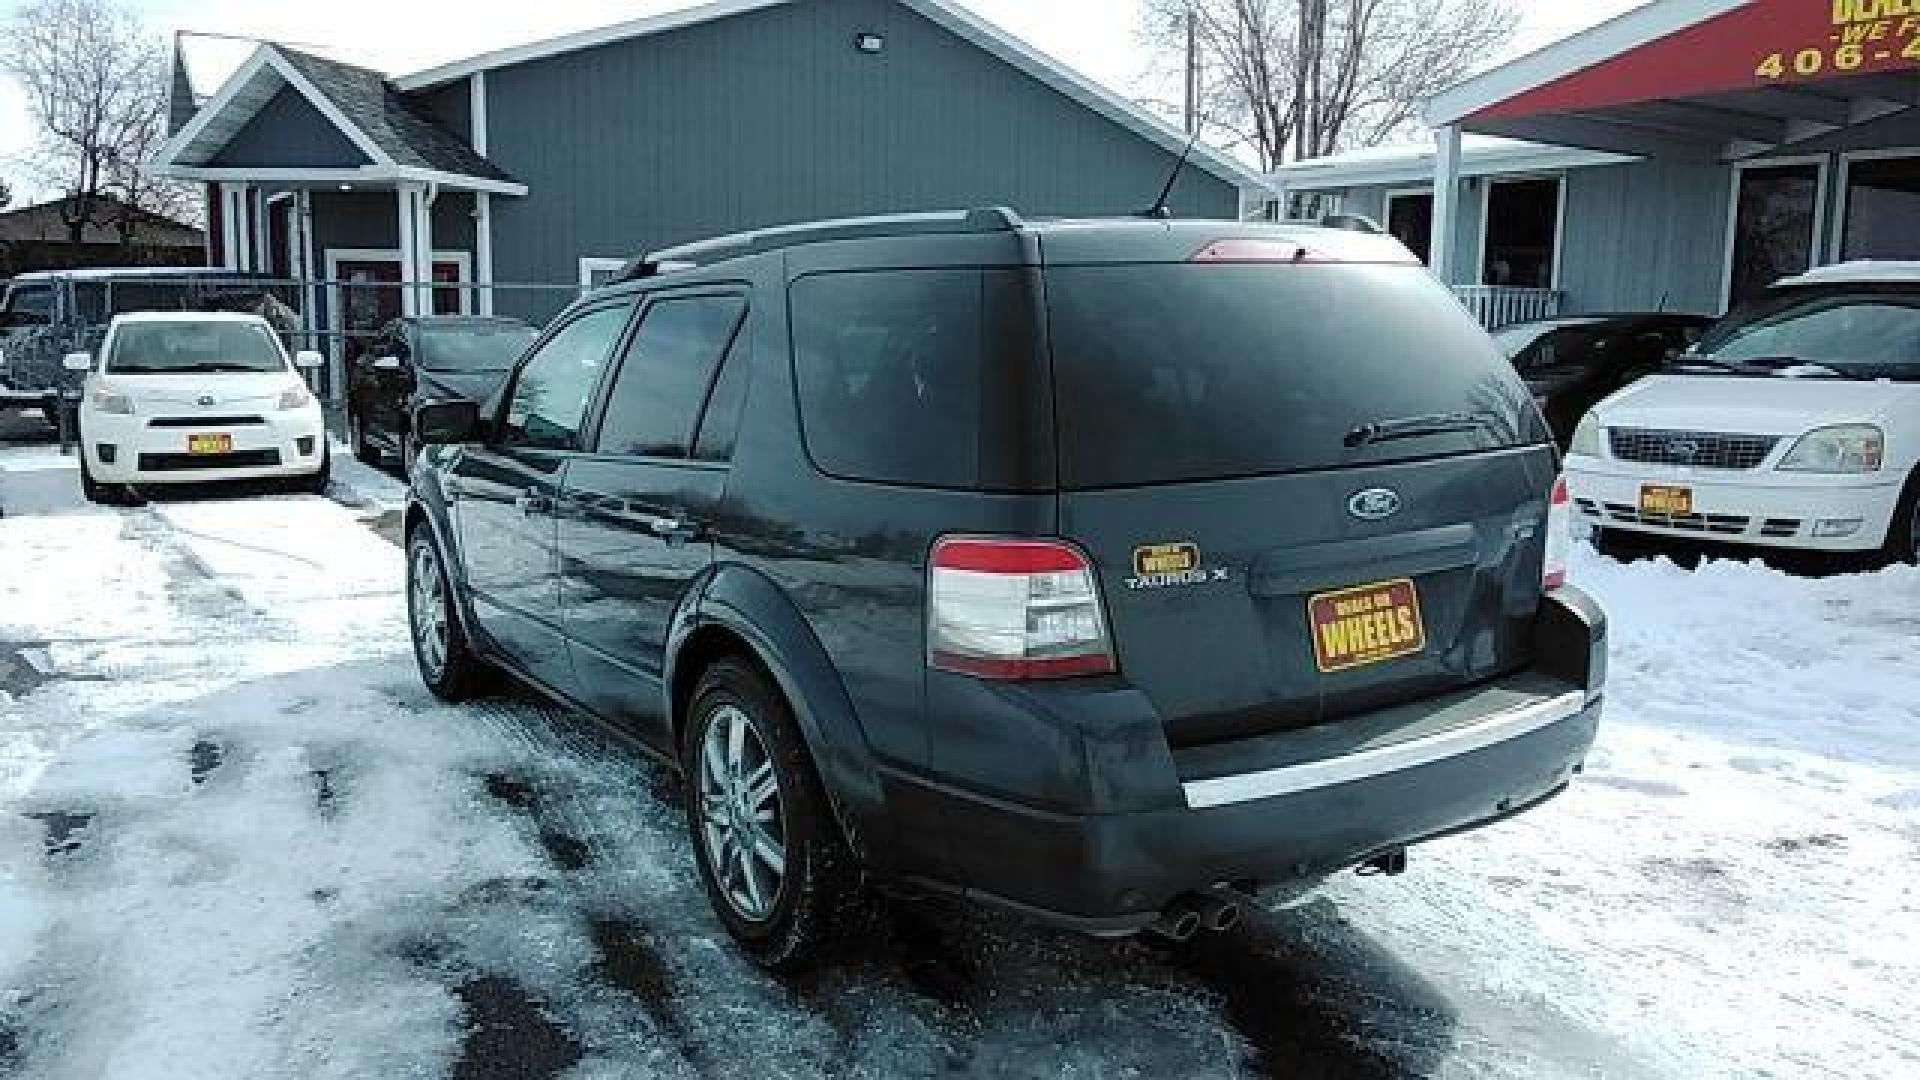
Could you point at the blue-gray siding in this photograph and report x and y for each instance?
(289, 133)
(775, 117)
(371, 220)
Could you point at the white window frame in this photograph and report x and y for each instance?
(591, 265)
(1836, 248)
(1386, 214)
(1817, 246)
(1487, 184)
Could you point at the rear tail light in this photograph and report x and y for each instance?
(1559, 537)
(1014, 610)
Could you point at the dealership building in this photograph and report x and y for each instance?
(1680, 157)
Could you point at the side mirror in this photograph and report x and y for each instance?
(78, 362)
(386, 363)
(308, 359)
(446, 423)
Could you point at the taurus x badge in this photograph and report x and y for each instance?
(1374, 504)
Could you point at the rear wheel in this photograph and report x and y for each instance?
(448, 664)
(776, 867)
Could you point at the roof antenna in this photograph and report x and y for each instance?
(1159, 210)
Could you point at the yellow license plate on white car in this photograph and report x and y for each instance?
(1659, 500)
(210, 444)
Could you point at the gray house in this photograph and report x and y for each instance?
(557, 162)
(1683, 156)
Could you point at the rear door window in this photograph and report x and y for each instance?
(1185, 372)
(923, 377)
(669, 366)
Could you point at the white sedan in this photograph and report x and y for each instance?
(1794, 423)
(192, 397)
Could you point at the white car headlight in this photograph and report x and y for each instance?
(1586, 438)
(1848, 448)
(294, 398)
(104, 400)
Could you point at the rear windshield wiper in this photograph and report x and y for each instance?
(1414, 427)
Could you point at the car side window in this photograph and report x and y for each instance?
(664, 379)
(552, 389)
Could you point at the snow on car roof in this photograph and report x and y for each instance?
(1858, 272)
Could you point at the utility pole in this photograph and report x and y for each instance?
(1193, 72)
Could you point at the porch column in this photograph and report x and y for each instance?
(236, 227)
(416, 250)
(1446, 204)
(483, 252)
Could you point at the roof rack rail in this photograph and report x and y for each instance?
(993, 219)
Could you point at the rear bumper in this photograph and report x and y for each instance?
(1114, 873)
(1278, 812)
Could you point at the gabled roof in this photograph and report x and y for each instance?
(398, 143)
(956, 20)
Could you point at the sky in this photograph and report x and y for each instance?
(1098, 37)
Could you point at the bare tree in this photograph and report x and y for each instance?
(1295, 79)
(96, 86)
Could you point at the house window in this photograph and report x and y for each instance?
(1883, 209)
(1775, 209)
(1410, 220)
(1522, 233)
(600, 273)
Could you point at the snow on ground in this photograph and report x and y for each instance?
(237, 839)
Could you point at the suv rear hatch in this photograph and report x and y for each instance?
(1311, 487)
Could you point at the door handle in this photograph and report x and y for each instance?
(673, 529)
(533, 503)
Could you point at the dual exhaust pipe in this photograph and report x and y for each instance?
(1190, 913)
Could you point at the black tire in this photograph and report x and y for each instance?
(820, 897)
(1903, 536)
(357, 436)
(448, 664)
(94, 491)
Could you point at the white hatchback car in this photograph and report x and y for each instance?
(1794, 423)
(192, 397)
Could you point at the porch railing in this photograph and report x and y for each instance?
(1497, 306)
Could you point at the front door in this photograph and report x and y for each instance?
(636, 530)
(508, 490)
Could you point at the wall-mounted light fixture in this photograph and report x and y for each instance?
(871, 44)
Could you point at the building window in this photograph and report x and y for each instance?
(1883, 209)
(1522, 232)
(1410, 220)
(1775, 210)
(600, 273)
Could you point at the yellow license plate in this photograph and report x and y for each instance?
(1660, 501)
(1365, 625)
(209, 444)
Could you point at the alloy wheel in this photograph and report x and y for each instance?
(428, 610)
(741, 818)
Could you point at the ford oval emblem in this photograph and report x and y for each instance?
(1374, 504)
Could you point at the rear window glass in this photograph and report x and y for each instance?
(1169, 373)
(923, 377)
(474, 346)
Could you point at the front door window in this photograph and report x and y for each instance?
(1410, 220)
(1773, 227)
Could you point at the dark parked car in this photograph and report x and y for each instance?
(1110, 572)
(423, 359)
(1570, 364)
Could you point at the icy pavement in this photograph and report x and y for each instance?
(237, 839)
